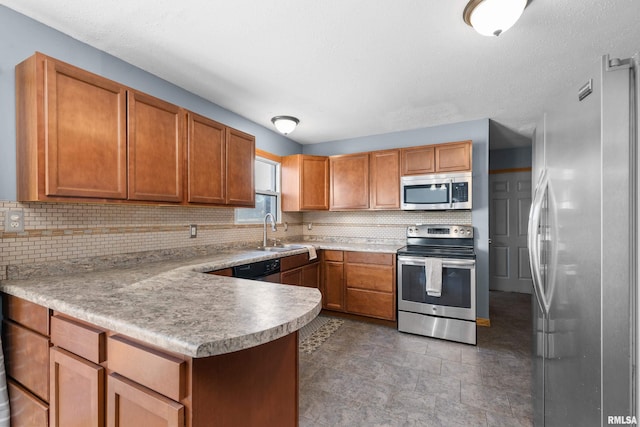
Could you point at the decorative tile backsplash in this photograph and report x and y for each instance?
(56, 232)
(374, 226)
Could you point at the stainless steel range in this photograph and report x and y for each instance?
(437, 282)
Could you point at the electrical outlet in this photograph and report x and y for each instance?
(14, 221)
(310, 226)
(193, 231)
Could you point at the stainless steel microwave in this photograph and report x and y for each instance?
(436, 192)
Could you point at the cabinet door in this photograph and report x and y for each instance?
(130, 404)
(291, 277)
(418, 160)
(26, 409)
(311, 275)
(333, 286)
(314, 186)
(385, 179)
(453, 157)
(350, 181)
(241, 155)
(206, 160)
(85, 143)
(308, 276)
(156, 149)
(77, 386)
(305, 183)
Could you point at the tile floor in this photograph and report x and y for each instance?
(370, 375)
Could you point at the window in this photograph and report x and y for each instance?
(267, 183)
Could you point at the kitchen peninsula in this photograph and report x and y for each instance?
(159, 344)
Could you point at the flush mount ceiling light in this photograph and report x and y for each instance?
(493, 17)
(285, 124)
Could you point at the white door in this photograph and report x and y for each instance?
(510, 200)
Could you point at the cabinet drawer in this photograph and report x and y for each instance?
(371, 303)
(27, 357)
(369, 258)
(372, 277)
(151, 368)
(26, 409)
(28, 314)
(333, 255)
(78, 338)
(294, 261)
(132, 405)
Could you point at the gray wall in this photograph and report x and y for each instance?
(478, 132)
(510, 158)
(21, 36)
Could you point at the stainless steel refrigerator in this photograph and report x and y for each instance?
(583, 241)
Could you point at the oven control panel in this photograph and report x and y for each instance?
(440, 231)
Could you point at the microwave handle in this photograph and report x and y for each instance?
(450, 193)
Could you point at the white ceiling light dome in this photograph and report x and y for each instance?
(493, 17)
(285, 124)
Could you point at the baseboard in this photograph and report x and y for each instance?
(483, 322)
(389, 323)
(522, 288)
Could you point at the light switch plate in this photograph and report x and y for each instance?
(14, 221)
(193, 231)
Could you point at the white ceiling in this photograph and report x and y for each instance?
(349, 68)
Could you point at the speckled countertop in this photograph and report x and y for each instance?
(171, 304)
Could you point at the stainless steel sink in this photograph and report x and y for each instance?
(280, 248)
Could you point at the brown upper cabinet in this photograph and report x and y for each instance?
(220, 163)
(384, 170)
(305, 183)
(156, 149)
(368, 180)
(349, 177)
(438, 158)
(453, 157)
(207, 160)
(418, 160)
(240, 164)
(81, 137)
(71, 133)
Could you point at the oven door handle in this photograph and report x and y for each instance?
(449, 263)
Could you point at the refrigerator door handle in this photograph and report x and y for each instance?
(533, 242)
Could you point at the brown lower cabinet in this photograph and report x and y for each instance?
(25, 340)
(132, 404)
(299, 270)
(77, 397)
(99, 378)
(362, 283)
(333, 280)
(26, 409)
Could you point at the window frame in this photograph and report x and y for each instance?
(276, 161)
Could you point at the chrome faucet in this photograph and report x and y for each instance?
(273, 228)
